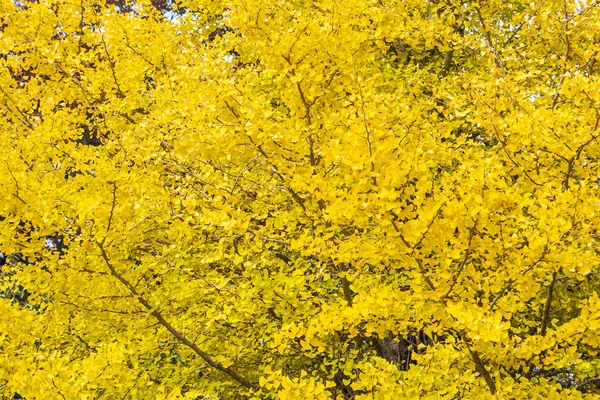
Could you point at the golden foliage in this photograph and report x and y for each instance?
(299, 199)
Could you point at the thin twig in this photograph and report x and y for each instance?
(16, 194)
(112, 211)
(510, 282)
(463, 263)
(577, 154)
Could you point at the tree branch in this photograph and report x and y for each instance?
(510, 282)
(16, 194)
(112, 211)
(162, 321)
(463, 264)
(480, 366)
(545, 317)
(577, 154)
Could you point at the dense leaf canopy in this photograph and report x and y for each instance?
(299, 199)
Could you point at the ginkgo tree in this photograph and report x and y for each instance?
(299, 199)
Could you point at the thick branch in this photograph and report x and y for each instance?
(347, 291)
(447, 63)
(547, 304)
(480, 366)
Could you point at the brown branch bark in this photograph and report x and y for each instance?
(577, 154)
(463, 264)
(545, 317)
(178, 335)
(510, 282)
(24, 119)
(481, 368)
(447, 63)
(111, 64)
(16, 194)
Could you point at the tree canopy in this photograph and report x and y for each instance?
(299, 199)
